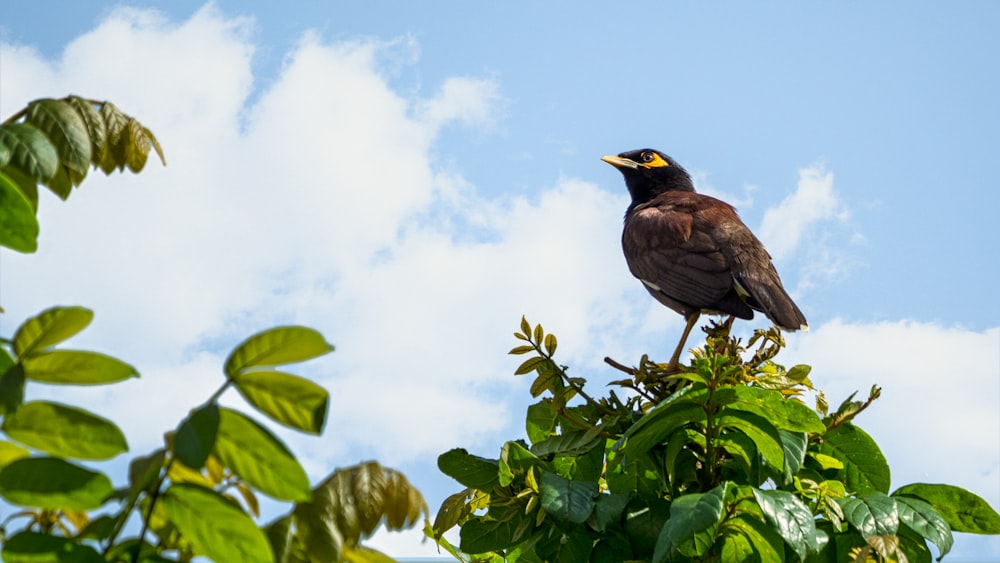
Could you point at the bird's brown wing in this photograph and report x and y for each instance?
(673, 250)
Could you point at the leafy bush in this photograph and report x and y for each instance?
(720, 462)
(196, 495)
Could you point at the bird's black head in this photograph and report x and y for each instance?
(648, 173)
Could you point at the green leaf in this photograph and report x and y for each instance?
(143, 471)
(515, 459)
(566, 500)
(255, 455)
(36, 547)
(65, 431)
(570, 443)
(116, 127)
(11, 389)
(479, 535)
(28, 150)
(275, 347)
(65, 128)
(18, 224)
(48, 482)
(794, 445)
(571, 546)
(50, 327)
(746, 539)
(529, 365)
(865, 468)
(285, 398)
(608, 510)
(72, 367)
(215, 526)
(758, 429)
(923, 519)
(550, 344)
(694, 520)
(96, 130)
(11, 452)
(964, 511)
(196, 436)
(790, 518)
(872, 514)
(783, 413)
(658, 424)
(471, 471)
(540, 421)
(137, 146)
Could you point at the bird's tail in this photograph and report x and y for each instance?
(770, 298)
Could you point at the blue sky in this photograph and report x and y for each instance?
(410, 179)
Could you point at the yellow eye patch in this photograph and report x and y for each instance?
(653, 160)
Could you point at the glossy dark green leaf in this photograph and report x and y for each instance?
(50, 327)
(471, 471)
(694, 520)
(794, 445)
(28, 150)
(783, 413)
(567, 500)
(479, 535)
(275, 347)
(865, 468)
(287, 399)
(18, 224)
(48, 482)
(871, 514)
(11, 389)
(216, 527)
(571, 546)
(65, 431)
(964, 511)
(73, 367)
(570, 443)
(608, 511)
(790, 517)
(923, 519)
(196, 435)
(36, 547)
(258, 457)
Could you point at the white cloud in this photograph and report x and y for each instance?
(320, 204)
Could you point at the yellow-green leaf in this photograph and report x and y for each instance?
(275, 347)
(215, 526)
(48, 482)
(18, 224)
(49, 328)
(65, 431)
(255, 455)
(287, 399)
(74, 367)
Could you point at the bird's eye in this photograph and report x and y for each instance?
(647, 157)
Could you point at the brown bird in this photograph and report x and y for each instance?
(692, 252)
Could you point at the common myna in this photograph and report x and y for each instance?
(692, 252)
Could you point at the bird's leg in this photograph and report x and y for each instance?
(692, 319)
